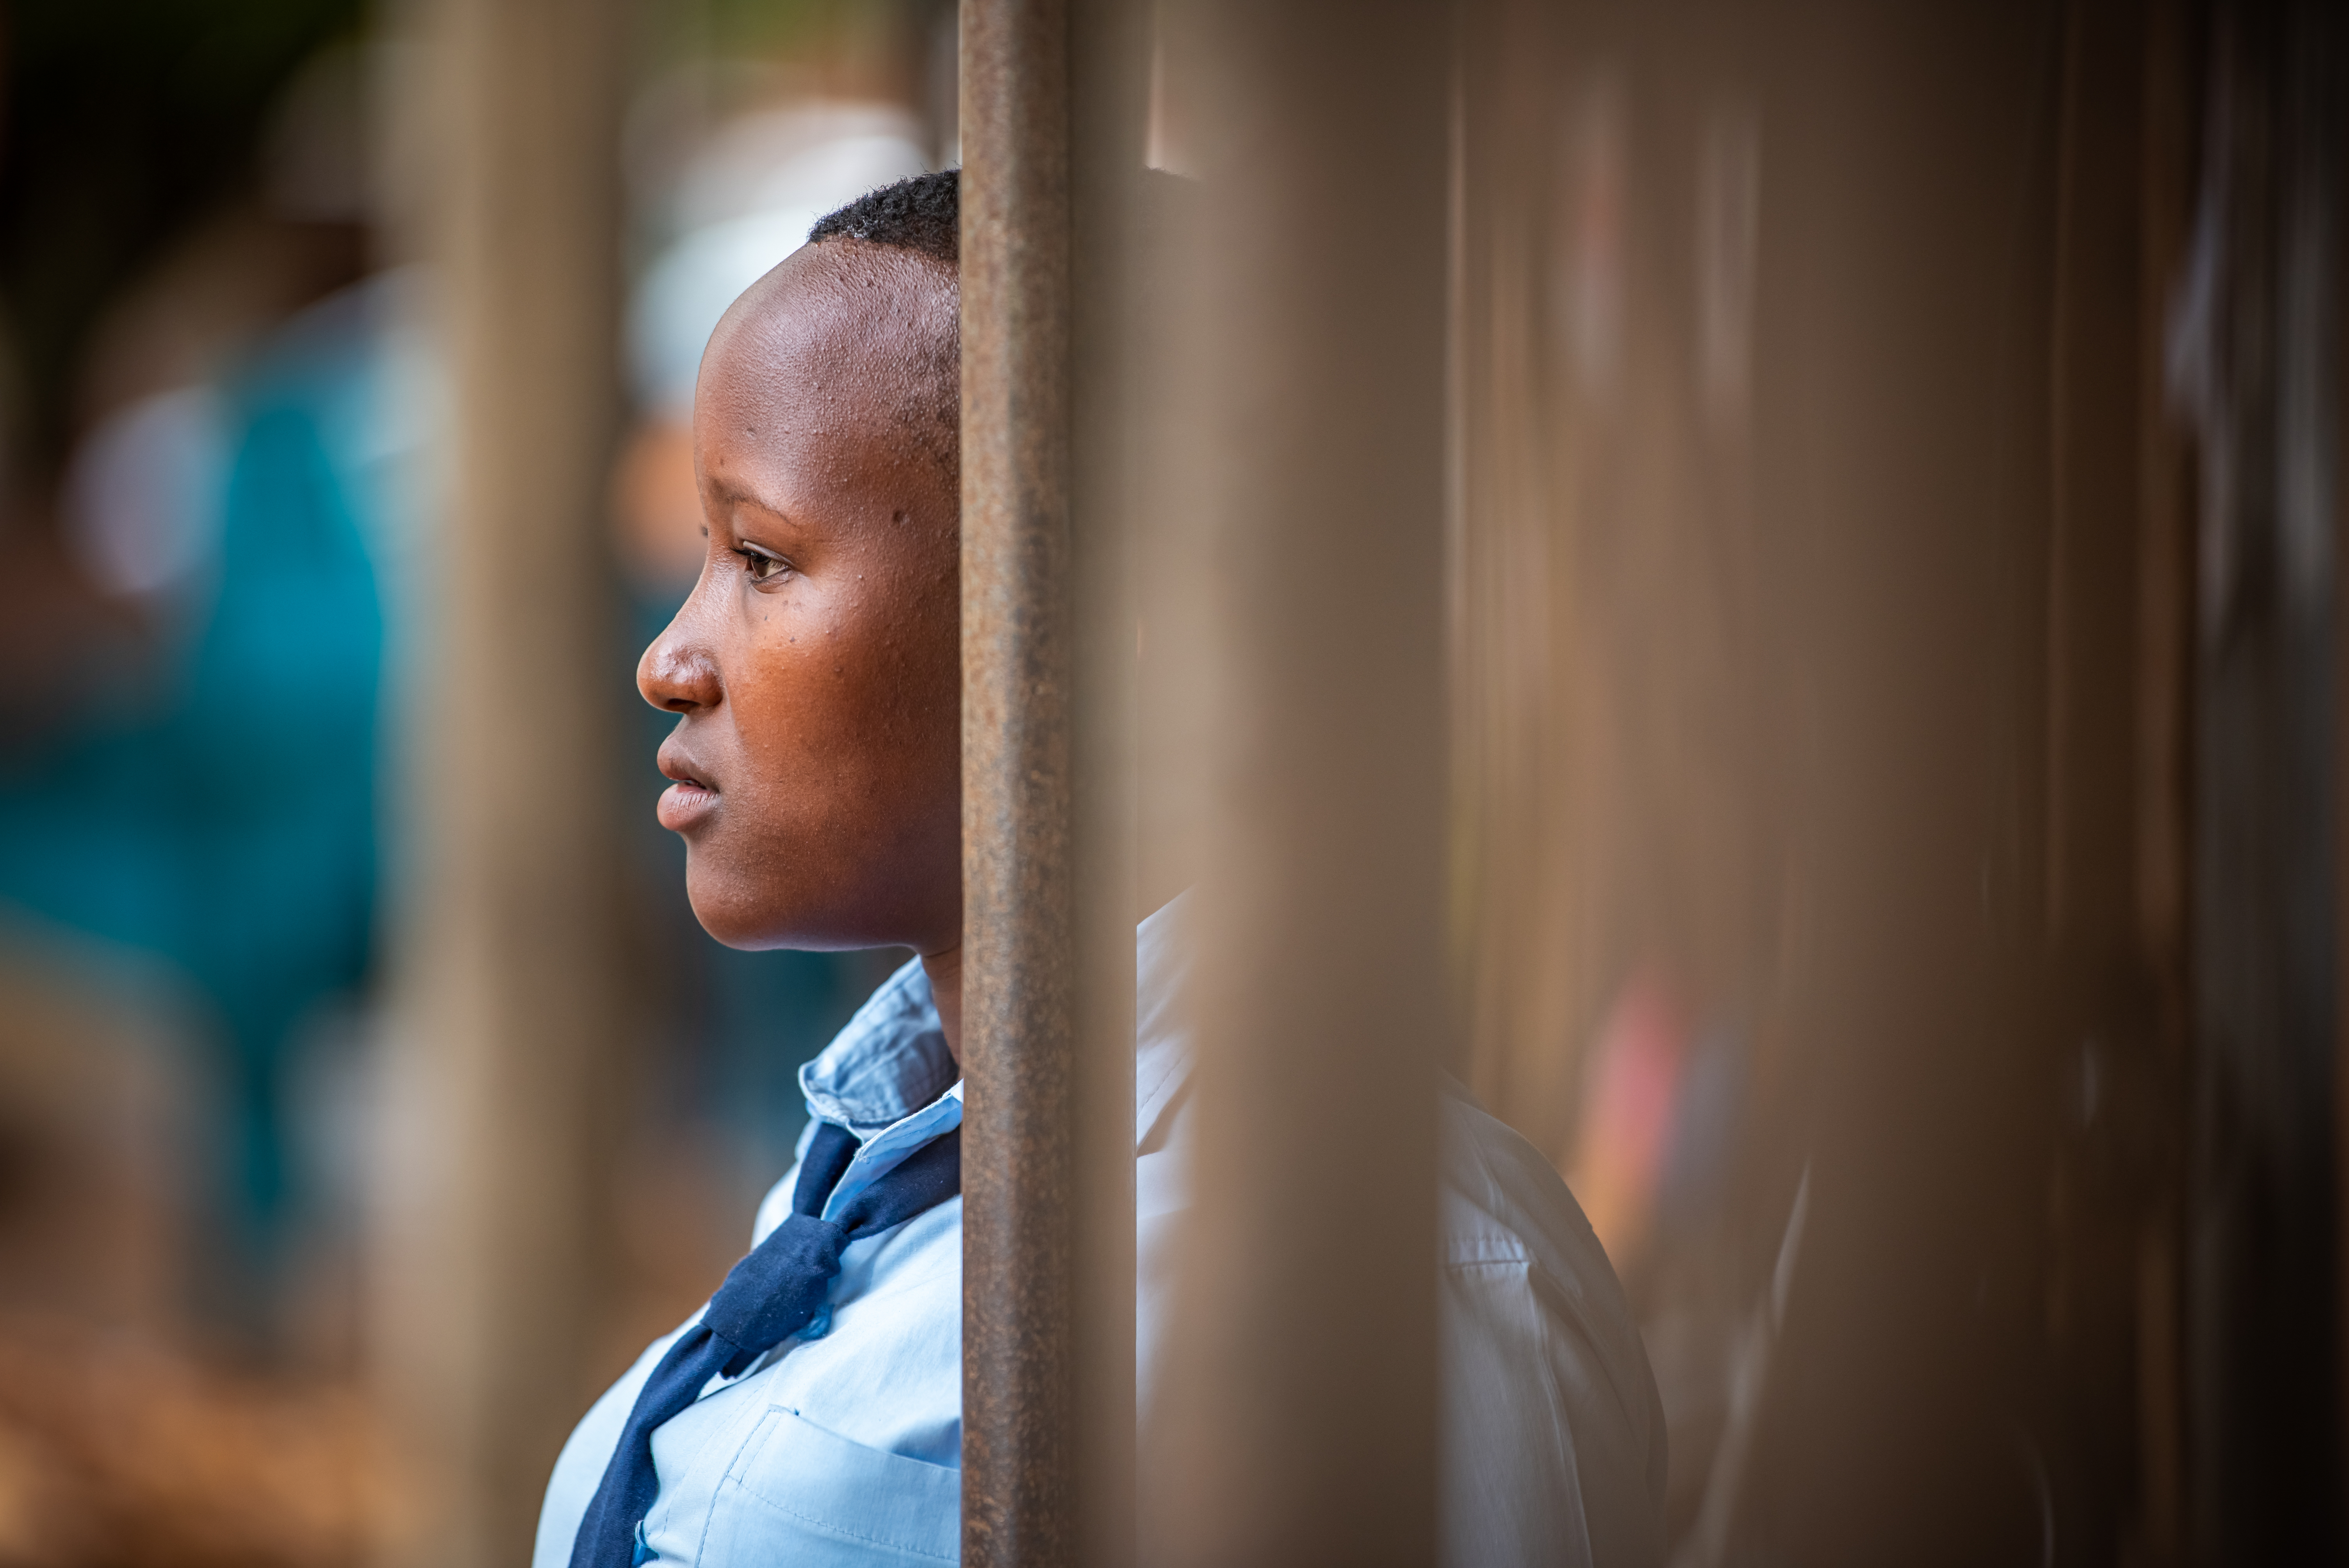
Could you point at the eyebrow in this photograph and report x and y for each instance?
(731, 492)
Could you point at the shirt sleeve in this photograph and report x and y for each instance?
(1551, 1454)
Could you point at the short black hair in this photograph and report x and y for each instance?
(923, 214)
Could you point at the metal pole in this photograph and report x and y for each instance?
(1051, 135)
(512, 938)
(1294, 1421)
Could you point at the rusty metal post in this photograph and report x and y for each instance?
(512, 939)
(1051, 136)
(1294, 1421)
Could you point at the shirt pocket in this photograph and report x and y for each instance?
(799, 1494)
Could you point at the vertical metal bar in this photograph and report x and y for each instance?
(1019, 985)
(512, 939)
(1294, 1422)
(1050, 102)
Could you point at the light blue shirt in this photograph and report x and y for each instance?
(842, 1445)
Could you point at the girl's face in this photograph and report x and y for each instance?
(816, 669)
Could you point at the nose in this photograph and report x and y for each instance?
(677, 673)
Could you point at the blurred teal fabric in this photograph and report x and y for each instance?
(218, 811)
(272, 741)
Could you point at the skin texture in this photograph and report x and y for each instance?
(816, 669)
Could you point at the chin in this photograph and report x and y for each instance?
(749, 933)
(758, 922)
(734, 915)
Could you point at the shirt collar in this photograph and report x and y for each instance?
(889, 1078)
(889, 1062)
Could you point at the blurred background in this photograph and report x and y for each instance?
(219, 395)
(1894, 576)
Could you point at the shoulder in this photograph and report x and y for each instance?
(1503, 1209)
(1503, 1202)
(1556, 1446)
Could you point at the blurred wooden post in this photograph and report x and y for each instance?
(516, 989)
(1294, 1422)
(1051, 137)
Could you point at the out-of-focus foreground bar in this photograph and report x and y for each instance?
(517, 983)
(1301, 457)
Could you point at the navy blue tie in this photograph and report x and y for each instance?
(771, 1295)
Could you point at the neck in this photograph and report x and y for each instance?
(944, 972)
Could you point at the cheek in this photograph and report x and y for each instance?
(821, 713)
(847, 715)
(790, 714)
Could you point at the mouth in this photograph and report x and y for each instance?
(690, 801)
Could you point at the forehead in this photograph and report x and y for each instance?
(840, 320)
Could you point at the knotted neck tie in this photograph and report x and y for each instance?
(771, 1295)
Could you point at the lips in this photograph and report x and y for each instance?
(691, 800)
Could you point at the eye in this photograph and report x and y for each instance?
(760, 566)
